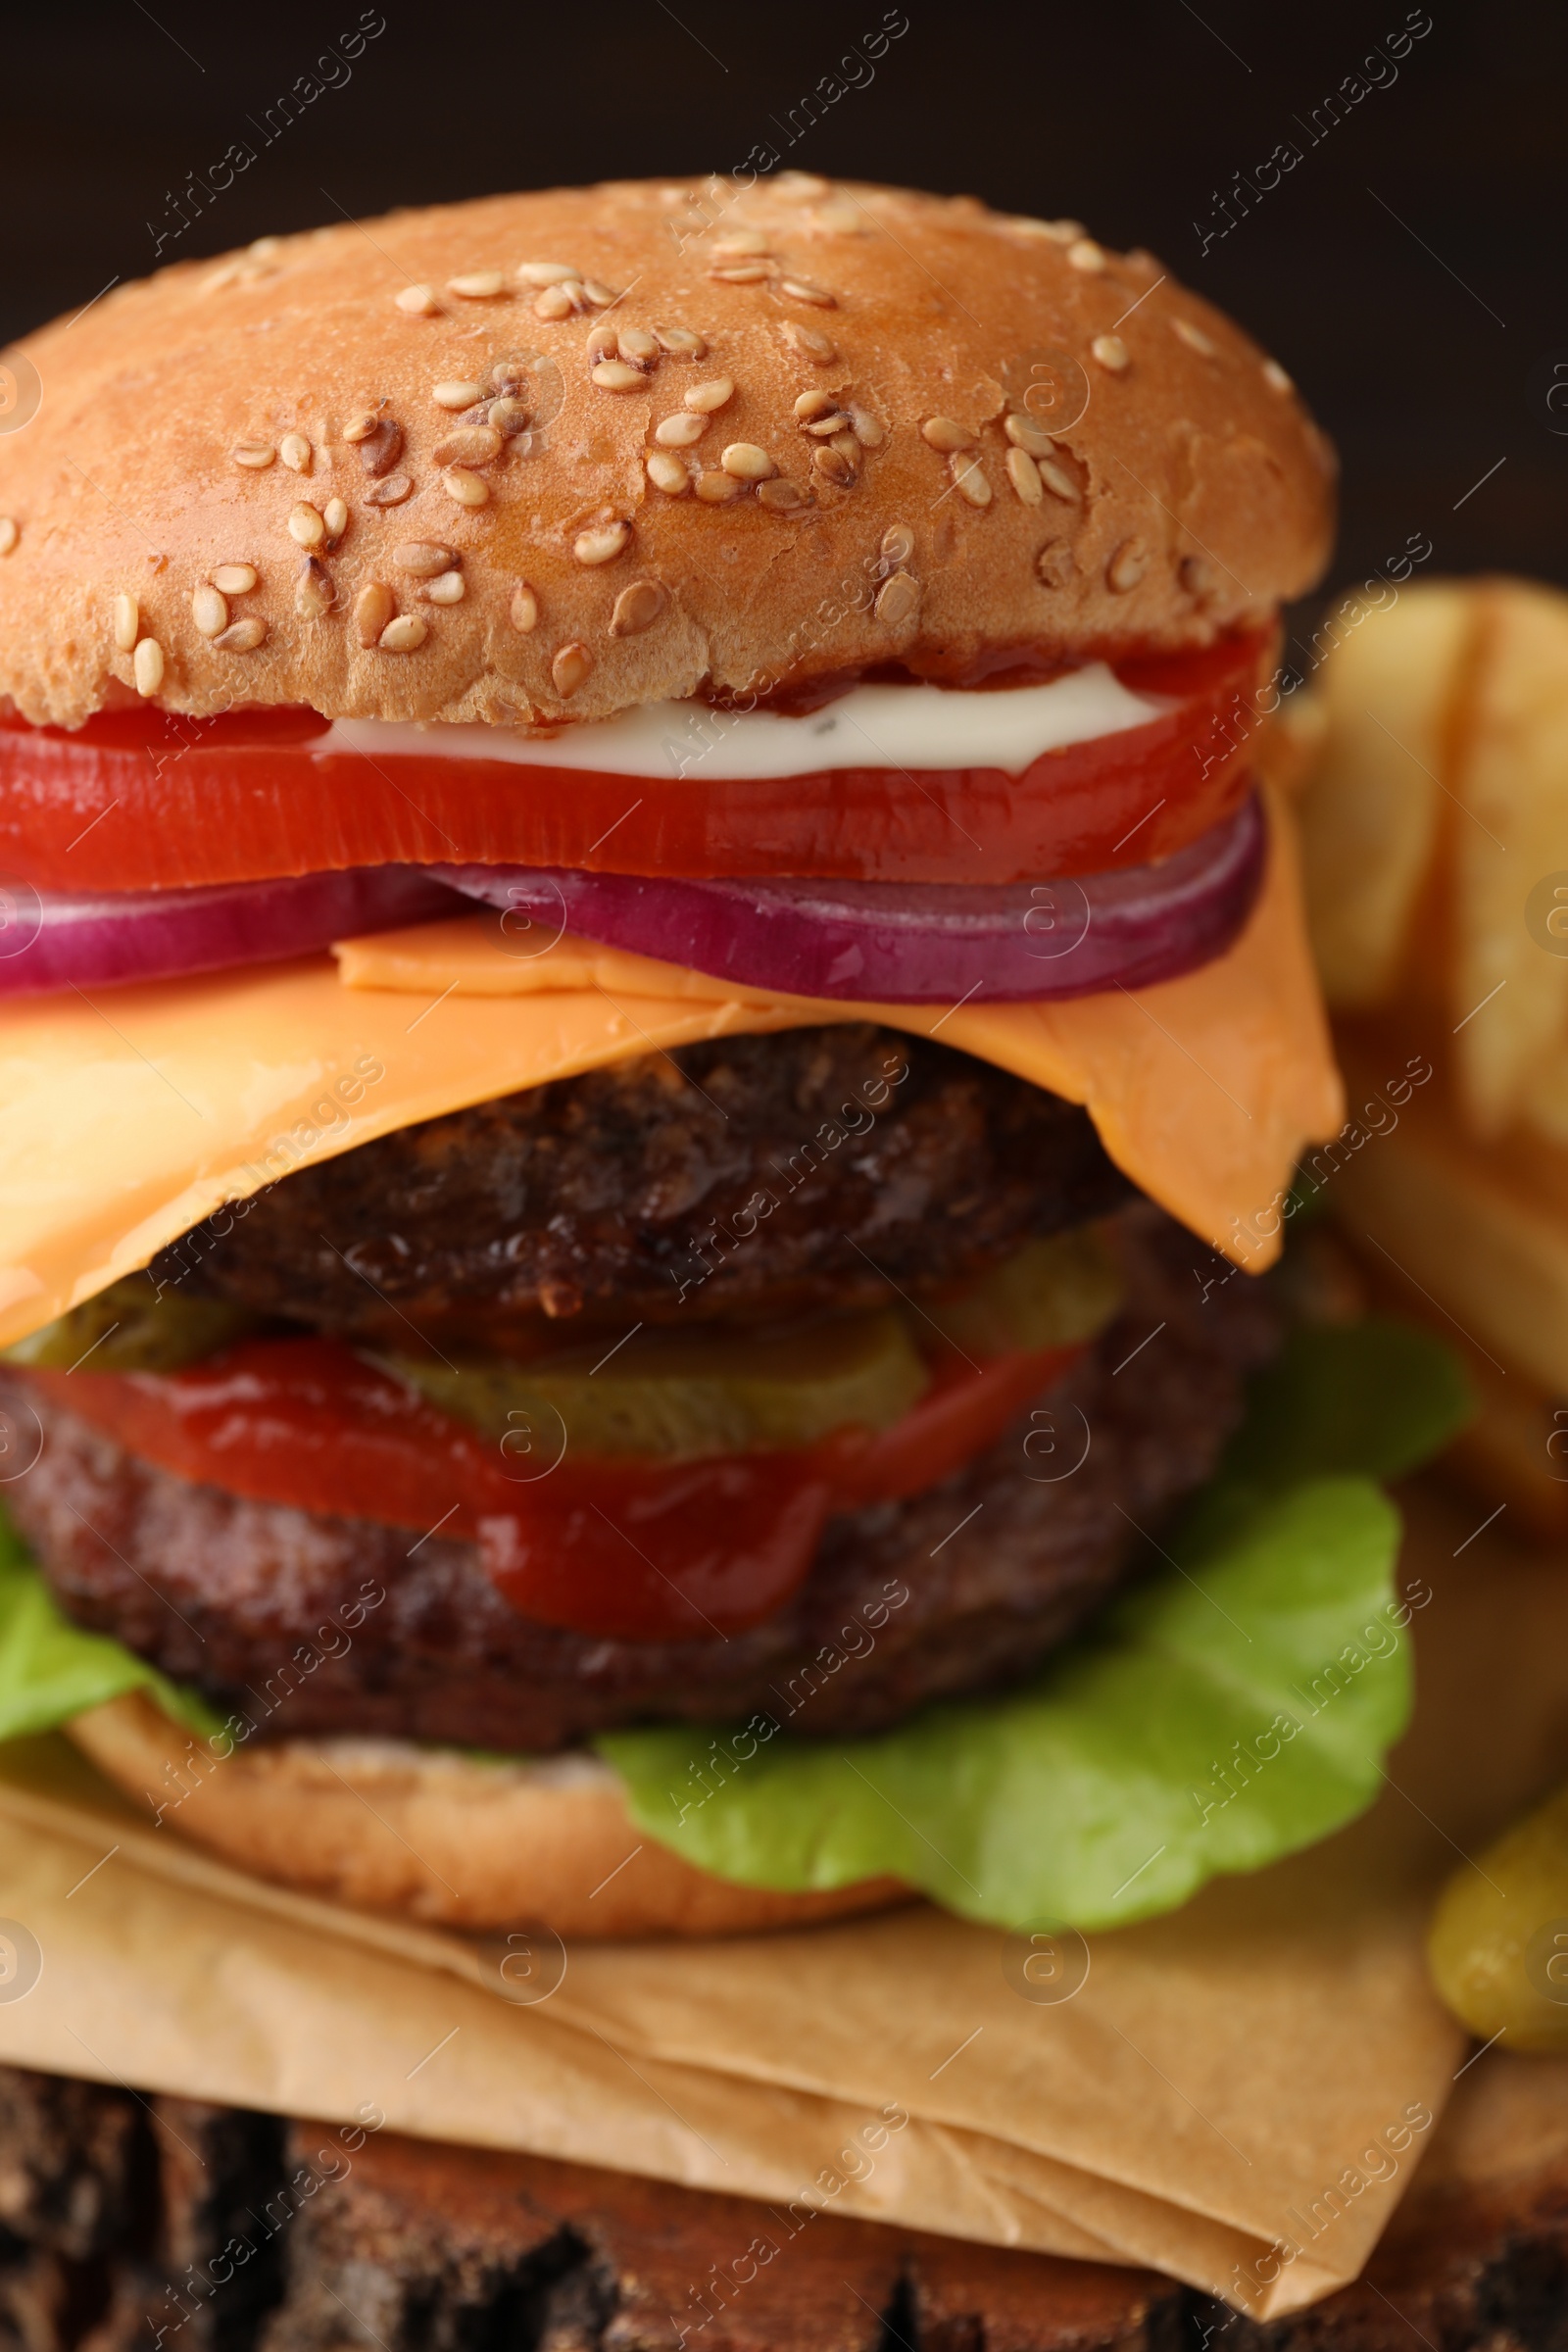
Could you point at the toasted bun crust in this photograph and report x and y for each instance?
(1191, 491)
(437, 1837)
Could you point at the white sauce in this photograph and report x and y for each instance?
(871, 726)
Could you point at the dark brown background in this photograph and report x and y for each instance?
(1424, 342)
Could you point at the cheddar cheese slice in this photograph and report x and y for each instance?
(129, 1115)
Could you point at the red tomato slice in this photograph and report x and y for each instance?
(143, 799)
(631, 1549)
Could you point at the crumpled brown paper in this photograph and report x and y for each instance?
(1238, 2094)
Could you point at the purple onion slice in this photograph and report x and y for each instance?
(919, 943)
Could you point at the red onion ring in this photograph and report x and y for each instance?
(57, 939)
(915, 943)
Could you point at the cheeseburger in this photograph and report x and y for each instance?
(651, 1026)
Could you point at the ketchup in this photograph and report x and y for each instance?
(628, 1547)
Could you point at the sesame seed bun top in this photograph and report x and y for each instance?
(550, 455)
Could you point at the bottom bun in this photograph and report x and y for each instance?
(438, 1837)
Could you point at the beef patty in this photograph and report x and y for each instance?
(304, 1624)
(745, 1176)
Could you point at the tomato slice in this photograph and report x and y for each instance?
(630, 1550)
(144, 800)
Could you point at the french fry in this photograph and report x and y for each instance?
(1370, 814)
(1509, 987)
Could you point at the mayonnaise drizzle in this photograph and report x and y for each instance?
(871, 726)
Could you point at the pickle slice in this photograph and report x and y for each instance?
(1499, 1946)
(677, 1395)
(1051, 1294)
(132, 1327)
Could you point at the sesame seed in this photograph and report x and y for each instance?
(1275, 377)
(668, 474)
(295, 452)
(637, 607)
(545, 274)
(603, 344)
(748, 462)
(1197, 576)
(943, 433)
(361, 428)
(710, 394)
(524, 610)
(477, 285)
(335, 517)
(242, 636)
(969, 478)
(636, 343)
(809, 343)
(682, 342)
(405, 635)
(801, 188)
(447, 588)
(424, 558)
(126, 624)
(739, 243)
(469, 445)
(556, 302)
(716, 489)
(234, 580)
(10, 533)
(467, 488)
(1053, 565)
(305, 525)
(1058, 480)
(844, 218)
(507, 415)
(147, 666)
(1085, 254)
(313, 592)
(380, 451)
(390, 493)
(209, 612)
(1024, 476)
(618, 375)
(898, 600)
(603, 543)
(1024, 433)
(254, 453)
(1195, 338)
(831, 421)
(419, 302)
(868, 430)
(836, 466)
(680, 430)
(742, 274)
(454, 395)
(802, 289)
(570, 668)
(781, 497)
(602, 297)
(1127, 566)
(507, 377)
(1112, 353)
(373, 608)
(897, 543)
(816, 403)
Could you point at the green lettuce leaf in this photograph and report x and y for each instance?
(51, 1670)
(1224, 1714)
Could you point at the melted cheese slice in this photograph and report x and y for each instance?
(127, 1120)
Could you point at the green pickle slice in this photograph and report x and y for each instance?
(679, 1394)
(1498, 1945)
(1052, 1294)
(132, 1327)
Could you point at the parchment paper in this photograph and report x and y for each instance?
(1233, 2095)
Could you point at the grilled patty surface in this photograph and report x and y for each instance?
(304, 1624)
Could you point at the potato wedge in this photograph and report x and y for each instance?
(1370, 814)
(1509, 987)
